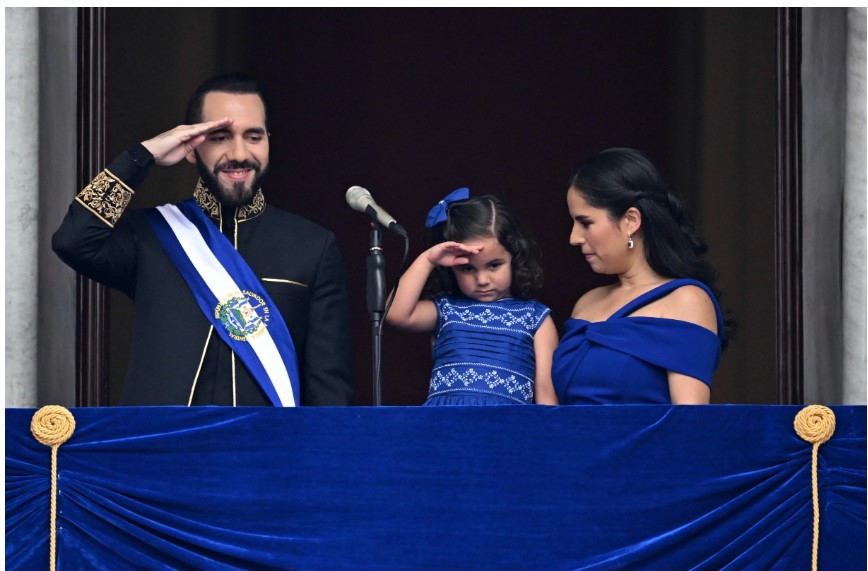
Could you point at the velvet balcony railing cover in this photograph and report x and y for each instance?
(442, 488)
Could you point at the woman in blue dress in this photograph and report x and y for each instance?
(655, 335)
(493, 345)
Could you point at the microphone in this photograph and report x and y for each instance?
(361, 200)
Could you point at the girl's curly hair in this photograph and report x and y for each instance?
(488, 217)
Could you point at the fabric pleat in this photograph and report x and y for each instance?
(462, 487)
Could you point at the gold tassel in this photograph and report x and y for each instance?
(815, 424)
(52, 425)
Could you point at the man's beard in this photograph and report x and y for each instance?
(237, 194)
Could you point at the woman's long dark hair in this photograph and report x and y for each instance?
(617, 179)
(488, 217)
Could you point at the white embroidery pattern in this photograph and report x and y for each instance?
(511, 383)
(524, 318)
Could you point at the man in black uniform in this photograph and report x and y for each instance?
(197, 340)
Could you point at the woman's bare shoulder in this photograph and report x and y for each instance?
(590, 299)
(693, 304)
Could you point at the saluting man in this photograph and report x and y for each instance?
(236, 301)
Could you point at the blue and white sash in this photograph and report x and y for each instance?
(231, 296)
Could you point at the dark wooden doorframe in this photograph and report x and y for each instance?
(92, 342)
(788, 209)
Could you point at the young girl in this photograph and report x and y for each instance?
(492, 345)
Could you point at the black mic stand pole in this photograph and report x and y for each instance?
(376, 296)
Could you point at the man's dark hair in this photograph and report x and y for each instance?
(237, 83)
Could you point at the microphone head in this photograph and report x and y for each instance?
(359, 198)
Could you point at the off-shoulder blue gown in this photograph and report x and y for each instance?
(483, 352)
(625, 359)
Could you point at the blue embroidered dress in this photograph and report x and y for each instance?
(483, 352)
(625, 359)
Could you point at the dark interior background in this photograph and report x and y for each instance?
(413, 103)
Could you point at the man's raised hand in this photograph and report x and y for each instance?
(172, 146)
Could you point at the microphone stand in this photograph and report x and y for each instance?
(376, 297)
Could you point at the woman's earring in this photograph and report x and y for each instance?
(629, 241)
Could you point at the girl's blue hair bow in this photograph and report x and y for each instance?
(438, 214)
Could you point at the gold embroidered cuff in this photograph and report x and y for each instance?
(106, 197)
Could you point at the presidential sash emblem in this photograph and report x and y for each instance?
(223, 284)
(243, 314)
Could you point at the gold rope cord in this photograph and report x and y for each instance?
(815, 424)
(52, 425)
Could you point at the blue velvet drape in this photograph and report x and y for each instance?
(510, 487)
